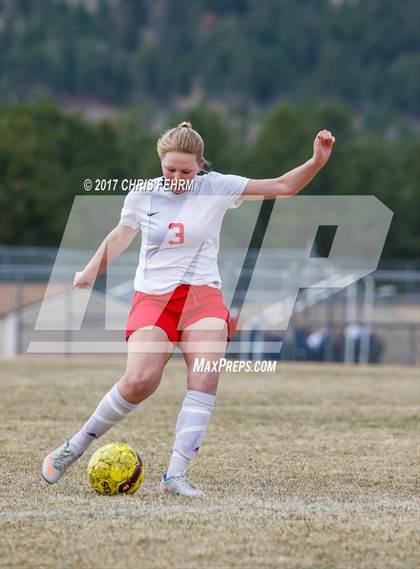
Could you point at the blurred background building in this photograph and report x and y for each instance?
(88, 85)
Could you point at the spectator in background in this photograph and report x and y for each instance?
(316, 344)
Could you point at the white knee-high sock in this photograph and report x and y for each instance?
(191, 426)
(110, 410)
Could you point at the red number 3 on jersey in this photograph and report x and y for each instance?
(179, 235)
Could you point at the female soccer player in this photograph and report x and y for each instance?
(177, 298)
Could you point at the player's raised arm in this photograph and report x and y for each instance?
(294, 181)
(111, 247)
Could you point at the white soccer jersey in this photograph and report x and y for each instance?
(181, 232)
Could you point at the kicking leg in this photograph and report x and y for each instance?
(141, 378)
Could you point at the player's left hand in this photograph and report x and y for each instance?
(323, 144)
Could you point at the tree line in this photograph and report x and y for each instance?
(46, 153)
(238, 52)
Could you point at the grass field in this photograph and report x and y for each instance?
(310, 467)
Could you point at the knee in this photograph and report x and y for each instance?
(139, 385)
(204, 381)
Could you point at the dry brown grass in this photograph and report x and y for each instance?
(311, 467)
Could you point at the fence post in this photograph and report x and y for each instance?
(351, 316)
(369, 285)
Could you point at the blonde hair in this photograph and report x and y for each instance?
(182, 138)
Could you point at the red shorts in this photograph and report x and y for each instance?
(176, 310)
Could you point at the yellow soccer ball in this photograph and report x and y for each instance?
(115, 468)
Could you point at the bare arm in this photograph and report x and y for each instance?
(294, 181)
(111, 247)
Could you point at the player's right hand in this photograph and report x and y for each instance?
(82, 279)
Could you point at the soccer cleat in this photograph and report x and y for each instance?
(56, 463)
(179, 485)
